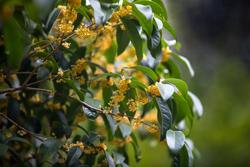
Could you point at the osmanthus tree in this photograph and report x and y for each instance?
(92, 78)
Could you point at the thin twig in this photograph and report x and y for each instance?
(22, 128)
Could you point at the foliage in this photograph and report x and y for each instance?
(80, 85)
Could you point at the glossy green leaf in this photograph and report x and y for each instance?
(136, 147)
(148, 71)
(169, 28)
(164, 117)
(175, 140)
(125, 130)
(172, 68)
(166, 90)
(134, 36)
(73, 156)
(186, 157)
(14, 43)
(144, 15)
(181, 107)
(135, 83)
(197, 106)
(111, 53)
(160, 3)
(156, 7)
(154, 43)
(180, 84)
(122, 39)
(185, 62)
(49, 148)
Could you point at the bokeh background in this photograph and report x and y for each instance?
(215, 36)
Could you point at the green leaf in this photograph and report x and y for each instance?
(164, 117)
(157, 8)
(154, 43)
(111, 53)
(136, 147)
(160, 3)
(14, 43)
(75, 87)
(135, 83)
(181, 107)
(186, 157)
(185, 62)
(169, 28)
(110, 160)
(166, 90)
(49, 148)
(107, 92)
(144, 15)
(172, 68)
(175, 140)
(125, 130)
(110, 126)
(122, 39)
(180, 84)
(148, 71)
(73, 156)
(134, 36)
(197, 106)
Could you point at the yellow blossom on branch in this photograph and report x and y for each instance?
(153, 90)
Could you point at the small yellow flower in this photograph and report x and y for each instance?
(103, 146)
(79, 67)
(153, 90)
(66, 45)
(132, 106)
(60, 72)
(38, 49)
(84, 32)
(165, 54)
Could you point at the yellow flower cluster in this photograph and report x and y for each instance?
(123, 11)
(143, 99)
(64, 23)
(132, 105)
(54, 105)
(66, 45)
(153, 90)
(118, 96)
(21, 132)
(165, 54)
(66, 19)
(60, 73)
(85, 148)
(105, 38)
(84, 32)
(79, 67)
(35, 99)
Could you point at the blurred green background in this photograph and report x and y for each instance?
(215, 36)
